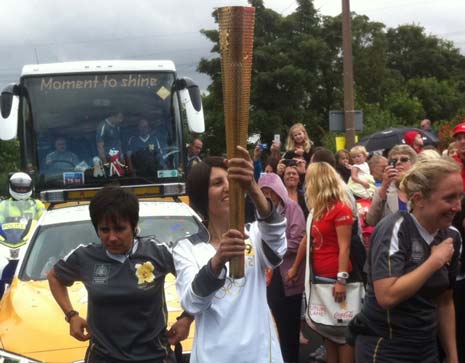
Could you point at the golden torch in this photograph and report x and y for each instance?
(236, 24)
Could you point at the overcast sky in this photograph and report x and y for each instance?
(46, 31)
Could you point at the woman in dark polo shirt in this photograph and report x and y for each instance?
(124, 277)
(413, 261)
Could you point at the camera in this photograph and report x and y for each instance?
(289, 162)
(263, 146)
(393, 162)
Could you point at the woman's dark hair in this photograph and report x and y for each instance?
(322, 154)
(273, 163)
(115, 204)
(198, 182)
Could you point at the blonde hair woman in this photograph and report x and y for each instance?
(412, 265)
(427, 155)
(330, 237)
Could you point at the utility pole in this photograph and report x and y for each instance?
(349, 113)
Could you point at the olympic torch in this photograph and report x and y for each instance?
(236, 27)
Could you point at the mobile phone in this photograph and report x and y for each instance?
(289, 162)
(263, 146)
(392, 162)
(277, 138)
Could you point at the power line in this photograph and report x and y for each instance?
(404, 5)
(287, 7)
(322, 5)
(102, 40)
(392, 6)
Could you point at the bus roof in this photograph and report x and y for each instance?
(97, 67)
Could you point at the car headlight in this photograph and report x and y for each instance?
(8, 357)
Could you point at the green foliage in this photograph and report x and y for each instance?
(405, 107)
(376, 119)
(415, 54)
(440, 99)
(9, 161)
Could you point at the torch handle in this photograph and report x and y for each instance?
(236, 221)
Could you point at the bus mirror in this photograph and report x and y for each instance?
(7, 99)
(192, 103)
(9, 106)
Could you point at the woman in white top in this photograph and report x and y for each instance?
(232, 317)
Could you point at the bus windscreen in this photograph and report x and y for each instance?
(86, 130)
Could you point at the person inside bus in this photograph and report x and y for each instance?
(109, 136)
(144, 154)
(193, 153)
(61, 159)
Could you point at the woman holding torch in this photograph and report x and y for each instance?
(233, 320)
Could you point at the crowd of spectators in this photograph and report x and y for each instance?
(373, 190)
(406, 205)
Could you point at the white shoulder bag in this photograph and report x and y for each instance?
(323, 314)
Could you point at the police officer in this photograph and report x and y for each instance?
(20, 207)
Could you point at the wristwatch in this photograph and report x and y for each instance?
(342, 275)
(185, 314)
(70, 314)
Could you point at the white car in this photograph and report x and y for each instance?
(32, 327)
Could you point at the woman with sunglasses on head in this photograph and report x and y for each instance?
(233, 321)
(387, 198)
(412, 266)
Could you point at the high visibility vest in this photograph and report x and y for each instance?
(12, 210)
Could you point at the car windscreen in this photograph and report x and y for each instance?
(53, 242)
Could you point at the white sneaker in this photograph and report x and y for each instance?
(319, 354)
(321, 357)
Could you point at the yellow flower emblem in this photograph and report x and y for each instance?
(144, 272)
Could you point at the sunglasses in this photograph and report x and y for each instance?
(402, 159)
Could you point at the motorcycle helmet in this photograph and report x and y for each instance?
(20, 186)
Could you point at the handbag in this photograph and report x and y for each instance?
(324, 315)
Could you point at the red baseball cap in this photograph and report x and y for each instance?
(459, 128)
(409, 137)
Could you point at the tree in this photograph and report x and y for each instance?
(415, 54)
(288, 57)
(401, 74)
(440, 99)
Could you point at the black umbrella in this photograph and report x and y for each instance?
(386, 139)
